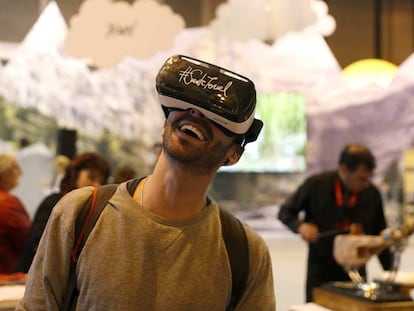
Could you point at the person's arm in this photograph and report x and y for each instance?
(288, 213)
(259, 294)
(48, 274)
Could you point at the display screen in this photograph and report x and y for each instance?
(280, 147)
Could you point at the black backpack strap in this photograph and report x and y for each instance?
(88, 217)
(133, 184)
(237, 246)
(85, 221)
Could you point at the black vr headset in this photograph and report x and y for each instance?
(226, 98)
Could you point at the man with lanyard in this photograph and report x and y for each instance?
(336, 202)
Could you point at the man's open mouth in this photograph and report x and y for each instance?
(192, 131)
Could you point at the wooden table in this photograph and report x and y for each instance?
(404, 279)
(8, 305)
(337, 302)
(10, 296)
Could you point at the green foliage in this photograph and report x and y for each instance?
(283, 115)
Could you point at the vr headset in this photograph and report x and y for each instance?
(226, 98)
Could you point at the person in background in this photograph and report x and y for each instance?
(158, 244)
(14, 219)
(86, 169)
(124, 173)
(338, 201)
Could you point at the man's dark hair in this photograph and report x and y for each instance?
(353, 155)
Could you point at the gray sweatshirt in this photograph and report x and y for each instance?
(135, 260)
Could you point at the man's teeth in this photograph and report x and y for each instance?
(191, 130)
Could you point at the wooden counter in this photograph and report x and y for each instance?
(338, 302)
(8, 305)
(10, 296)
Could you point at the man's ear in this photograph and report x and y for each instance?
(342, 171)
(233, 156)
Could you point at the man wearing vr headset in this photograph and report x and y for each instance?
(158, 245)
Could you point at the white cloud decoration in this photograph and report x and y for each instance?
(104, 32)
(268, 20)
(325, 23)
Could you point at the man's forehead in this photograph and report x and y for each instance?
(363, 169)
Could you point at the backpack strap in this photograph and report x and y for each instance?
(88, 217)
(84, 223)
(237, 247)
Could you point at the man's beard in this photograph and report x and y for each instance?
(192, 156)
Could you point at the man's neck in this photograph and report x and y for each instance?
(172, 192)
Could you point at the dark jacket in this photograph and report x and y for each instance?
(38, 226)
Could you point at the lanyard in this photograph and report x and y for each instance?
(339, 197)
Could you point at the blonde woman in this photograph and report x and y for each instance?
(14, 220)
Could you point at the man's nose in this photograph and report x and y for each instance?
(196, 113)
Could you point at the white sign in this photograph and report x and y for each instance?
(104, 32)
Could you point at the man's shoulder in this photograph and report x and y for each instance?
(254, 239)
(69, 205)
(321, 178)
(256, 242)
(371, 190)
(324, 175)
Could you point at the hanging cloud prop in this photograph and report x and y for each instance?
(268, 20)
(104, 32)
(325, 23)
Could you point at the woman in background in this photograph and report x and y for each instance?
(87, 169)
(14, 220)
